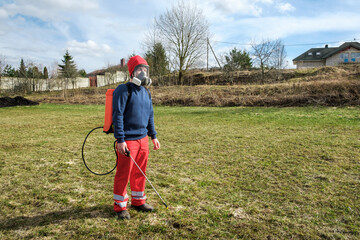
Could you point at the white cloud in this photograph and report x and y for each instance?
(285, 7)
(3, 14)
(49, 9)
(90, 48)
(243, 7)
(265, 1)
(281, 27)
(78, 5)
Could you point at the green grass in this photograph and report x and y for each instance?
(253, 173)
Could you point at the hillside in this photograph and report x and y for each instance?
(327, 86)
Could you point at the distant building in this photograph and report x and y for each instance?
(347, 53)
(113, 74)
(93, 77)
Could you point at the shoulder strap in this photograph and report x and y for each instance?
(129, 95)
(148, 92)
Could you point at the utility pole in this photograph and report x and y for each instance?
(214, 53)
(207, 54)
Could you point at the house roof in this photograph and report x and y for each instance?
(318, 54)
(102, 71)
(96, 72)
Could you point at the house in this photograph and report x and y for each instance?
(347, 53)
(113, 74)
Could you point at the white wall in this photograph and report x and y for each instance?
(57, 84)
(41, 84)
(110, 78)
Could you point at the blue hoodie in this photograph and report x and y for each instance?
(137, 120)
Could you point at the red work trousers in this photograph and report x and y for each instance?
(126, 169)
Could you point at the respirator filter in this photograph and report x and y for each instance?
(141, 76)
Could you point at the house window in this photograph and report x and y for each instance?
(344, 57)
(317, 53)
(355, 56)
(310, 53)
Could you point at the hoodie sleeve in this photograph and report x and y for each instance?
(151, 125)
(119, 102)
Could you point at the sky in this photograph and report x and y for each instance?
(99, 33)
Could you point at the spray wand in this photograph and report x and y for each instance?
(127, 153)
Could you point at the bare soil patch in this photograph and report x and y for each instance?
(16, 101)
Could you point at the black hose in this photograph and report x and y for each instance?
(82, 154)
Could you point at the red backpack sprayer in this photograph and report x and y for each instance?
(108, 128)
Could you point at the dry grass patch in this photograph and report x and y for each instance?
(327, 86)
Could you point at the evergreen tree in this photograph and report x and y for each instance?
(29, 72)
(9, 71)
(68, 70)
(22, 69)
(37, 72)
(23, 84)
(157, 60)
(237, 60)
(45, 73)
(82, 73)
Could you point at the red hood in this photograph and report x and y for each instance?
(134, 61)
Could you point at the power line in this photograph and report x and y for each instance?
(287, 45)
(307, 44)
(245, 44)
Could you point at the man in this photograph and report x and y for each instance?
(133, 120)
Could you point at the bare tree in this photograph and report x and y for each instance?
(278, 58)
(263, 53)
(34, 76)
(155, 53)
(184, 29)
(53, 76)
(152, 36)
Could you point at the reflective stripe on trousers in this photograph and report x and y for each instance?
(120, 198)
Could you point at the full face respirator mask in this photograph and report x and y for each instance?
(141, 76)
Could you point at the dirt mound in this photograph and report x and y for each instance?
(16, 101)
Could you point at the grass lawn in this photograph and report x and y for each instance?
(253, 173)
